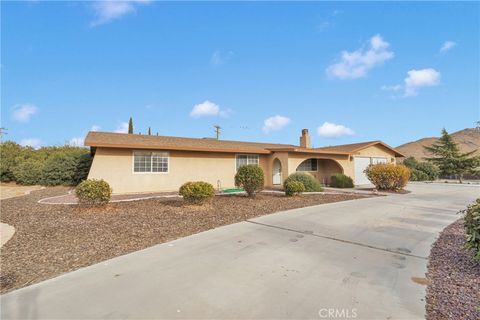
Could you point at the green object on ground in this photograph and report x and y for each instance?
(232, 190)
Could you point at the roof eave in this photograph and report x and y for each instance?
(174, 148)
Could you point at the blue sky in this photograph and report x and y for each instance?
(261, 70)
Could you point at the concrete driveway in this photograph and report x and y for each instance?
(355, 259)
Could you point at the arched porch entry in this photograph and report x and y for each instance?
(276, 172)
(322, 169)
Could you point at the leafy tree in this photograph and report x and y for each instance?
(130, 125)
(149, 131)
(449, 160)
(10, 154)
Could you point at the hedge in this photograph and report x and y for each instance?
(48, 165)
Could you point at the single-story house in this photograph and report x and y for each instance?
(144, 163)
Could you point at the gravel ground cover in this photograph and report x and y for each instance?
(453, 291)
(71, 198)
(54, 239)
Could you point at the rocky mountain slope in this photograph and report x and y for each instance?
(467, 140)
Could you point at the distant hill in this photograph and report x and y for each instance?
(467, 140)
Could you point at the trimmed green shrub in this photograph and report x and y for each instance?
(339, 180)
(29, 172)
(421, 171)
(293, 188)
(59, 170)
(472, 228)
(417, 175)
(309, 182)
(93, 192)
(250, 178)
(83, 164)
(196, 192)
(62, 165)
(388, 176)
(10, 156)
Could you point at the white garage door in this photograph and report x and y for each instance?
(360, 165)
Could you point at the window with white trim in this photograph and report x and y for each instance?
(244, 159)
(144, 162)
(308, 165)
(379, 160)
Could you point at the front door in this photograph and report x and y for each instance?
(277, 172)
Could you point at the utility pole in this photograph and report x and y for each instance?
(217, 131)
(3, 132)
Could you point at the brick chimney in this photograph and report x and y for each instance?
(305, 139)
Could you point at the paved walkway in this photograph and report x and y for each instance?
(6, 233)
(10, 190)
(359, 257)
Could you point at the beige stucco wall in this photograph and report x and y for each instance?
(377, 151)
(327, 168)
(116, 167)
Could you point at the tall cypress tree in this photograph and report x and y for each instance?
(448, 158)
(130, 126)
(149, 131)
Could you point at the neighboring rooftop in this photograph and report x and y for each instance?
(137, 141)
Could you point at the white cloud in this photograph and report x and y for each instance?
(31, 142)
(275, 123)
(109, 10)
(207, 108)
(23, 112)
(95, 128)
(218, 58)
(447, 45)
(356, 64)
(332, 130)
(396, 87)
(420, 78)
(122, 128)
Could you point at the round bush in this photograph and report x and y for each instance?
(388, 176)
(309, 182)
(421, 171)
(250, 178)
(196, 192)
(417, 175)
(29, 172)
(472, 228)
(340, 180)
(93, 192)
(293, 188)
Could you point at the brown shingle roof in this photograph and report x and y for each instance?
(136, 141)
(123, 140)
